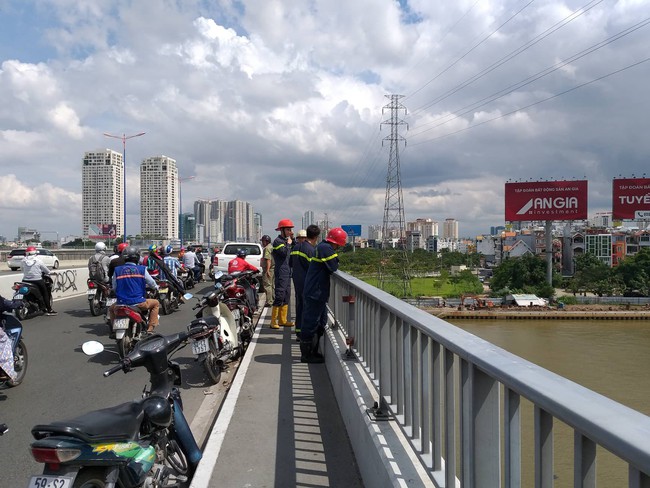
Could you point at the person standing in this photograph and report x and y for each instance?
(268, 270)
(300, 258)
(316, 293)
(281, 252)
(33, 272)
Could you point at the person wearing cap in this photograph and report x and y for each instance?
(316, 293)
(281, 252)
(268, 270)
(300, 257)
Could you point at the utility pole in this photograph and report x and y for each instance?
(394, 265)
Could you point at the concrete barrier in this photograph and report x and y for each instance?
(68, 282)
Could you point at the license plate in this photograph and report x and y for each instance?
(18, 297)
(235, 314)
(92, 292)
(200, 346)
(163, 290)
(49, 481)
(120, 324)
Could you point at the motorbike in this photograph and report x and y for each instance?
(98, 293)
(129, 326)
(142, 443)
(168, 297)
(186, 276)
(223, 342)
(14, 330)
(238, 292)
(31, 297)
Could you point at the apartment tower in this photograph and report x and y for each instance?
(102, 202)
(159, 198)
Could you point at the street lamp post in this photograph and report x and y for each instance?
(180, 202)
(124, 138)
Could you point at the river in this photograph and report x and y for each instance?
(607, 356)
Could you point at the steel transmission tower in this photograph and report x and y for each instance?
(394, 265)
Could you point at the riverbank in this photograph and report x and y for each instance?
(569, 312)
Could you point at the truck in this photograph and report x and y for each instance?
(229, 251)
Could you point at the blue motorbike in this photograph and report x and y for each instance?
(14, 330)
(146, 442)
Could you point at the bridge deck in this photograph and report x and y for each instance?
(286, 428)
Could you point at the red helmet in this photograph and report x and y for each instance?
(337, 236)
(285, 223)
(31, 251)
(121, 247)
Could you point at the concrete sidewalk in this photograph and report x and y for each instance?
(285, 428)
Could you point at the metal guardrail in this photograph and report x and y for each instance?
(458, 398)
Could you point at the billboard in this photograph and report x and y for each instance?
(102, 231)
(352, 230)
(546, 200)
(631, 199)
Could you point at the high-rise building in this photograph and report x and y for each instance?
(219, 221)
(450, 229)
(307, 219)
(425, 227)
(159, 197)
(102, 190)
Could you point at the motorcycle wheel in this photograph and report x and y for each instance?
(20, 364)
(165, 307)
(22, 312)
(212, 364)
(95, 306)
(90, 478)
(125, 344)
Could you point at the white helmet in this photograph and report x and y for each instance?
(100, 247)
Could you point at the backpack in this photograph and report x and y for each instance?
(96, 270)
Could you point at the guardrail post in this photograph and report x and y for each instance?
(351, 329)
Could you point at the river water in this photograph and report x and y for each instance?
(607, 356)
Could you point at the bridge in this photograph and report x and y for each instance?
(407, 399)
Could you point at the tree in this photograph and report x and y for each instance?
(525, 274)
(634, 273)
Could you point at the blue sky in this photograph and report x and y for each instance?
(280, 103)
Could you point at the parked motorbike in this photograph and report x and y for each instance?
(223, 344)
(143, 443)
(97, 294)
(31, 296)
(14, 330)
(239, 291)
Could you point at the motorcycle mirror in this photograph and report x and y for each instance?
(91, 348)
(218, 274)
(187, 296)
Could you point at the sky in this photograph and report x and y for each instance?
(281, 103)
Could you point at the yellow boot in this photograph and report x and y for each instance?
(284, 311)
(275, 312)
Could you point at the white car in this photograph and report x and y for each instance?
(16, 257)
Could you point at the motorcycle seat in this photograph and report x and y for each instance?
(114, 424)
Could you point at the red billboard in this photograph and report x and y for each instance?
(546, 200)
(102, 231)
(631, 199)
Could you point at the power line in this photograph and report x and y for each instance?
(535, 103)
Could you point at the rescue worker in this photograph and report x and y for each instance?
(281, 252)
(300, 257)
(316, 293)
(268, 270)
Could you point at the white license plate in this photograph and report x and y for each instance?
(200, 346)
(92, 292)
(163, 290)
(18, 297)
(120, 324)
(235, 314)
(49, 481)
(110, 301)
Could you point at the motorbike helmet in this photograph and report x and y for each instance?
(284, 223)
(241, 253)
(31, 251)
(100, 247)
(153, 248)
(168, 249)
(131, 254)
(337, 236)
(158, 411)
(121, 247)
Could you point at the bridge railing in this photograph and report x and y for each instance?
(459, 398)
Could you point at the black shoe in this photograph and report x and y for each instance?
(51, 312)
(307, 355)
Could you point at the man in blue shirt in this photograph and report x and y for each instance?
(130, 283)
(316, 293)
